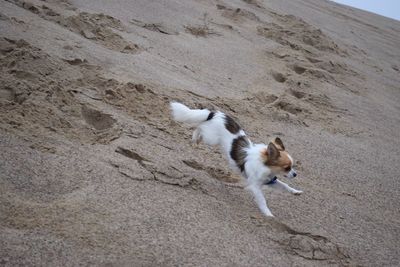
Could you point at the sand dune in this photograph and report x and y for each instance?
(93, 171)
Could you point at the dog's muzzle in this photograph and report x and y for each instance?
(291, 174)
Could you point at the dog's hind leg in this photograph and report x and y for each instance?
(260, 199)
(196, 137)
(284, 186)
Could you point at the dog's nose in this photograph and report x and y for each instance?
(294, 174)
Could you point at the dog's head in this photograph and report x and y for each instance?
(277, 159)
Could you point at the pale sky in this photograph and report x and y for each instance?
(387, 8)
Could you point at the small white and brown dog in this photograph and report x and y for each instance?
(258, 163)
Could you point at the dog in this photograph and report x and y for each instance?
(257, 163)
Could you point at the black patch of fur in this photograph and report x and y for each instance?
(211, 115)
(231, 125)
(238, 153)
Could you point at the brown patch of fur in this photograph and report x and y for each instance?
(231, 125)
(284, 160)
(272, 154)
(279, 144)
(238, 153)
(275, 159)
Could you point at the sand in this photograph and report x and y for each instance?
(93, 171)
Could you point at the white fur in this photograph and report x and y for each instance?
(182, 113)
(213, 132)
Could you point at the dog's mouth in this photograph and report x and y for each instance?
(291, 174)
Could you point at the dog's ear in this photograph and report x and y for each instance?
(278, 142)
(272, 152)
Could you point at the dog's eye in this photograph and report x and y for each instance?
(287, 169)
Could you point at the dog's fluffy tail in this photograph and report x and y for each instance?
(182, 113)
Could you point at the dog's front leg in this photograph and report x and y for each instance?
(284, 186)
(260, 199)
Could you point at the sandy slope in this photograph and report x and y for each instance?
(93, 171)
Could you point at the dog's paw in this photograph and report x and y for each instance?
(268, 214)
(296, 192)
